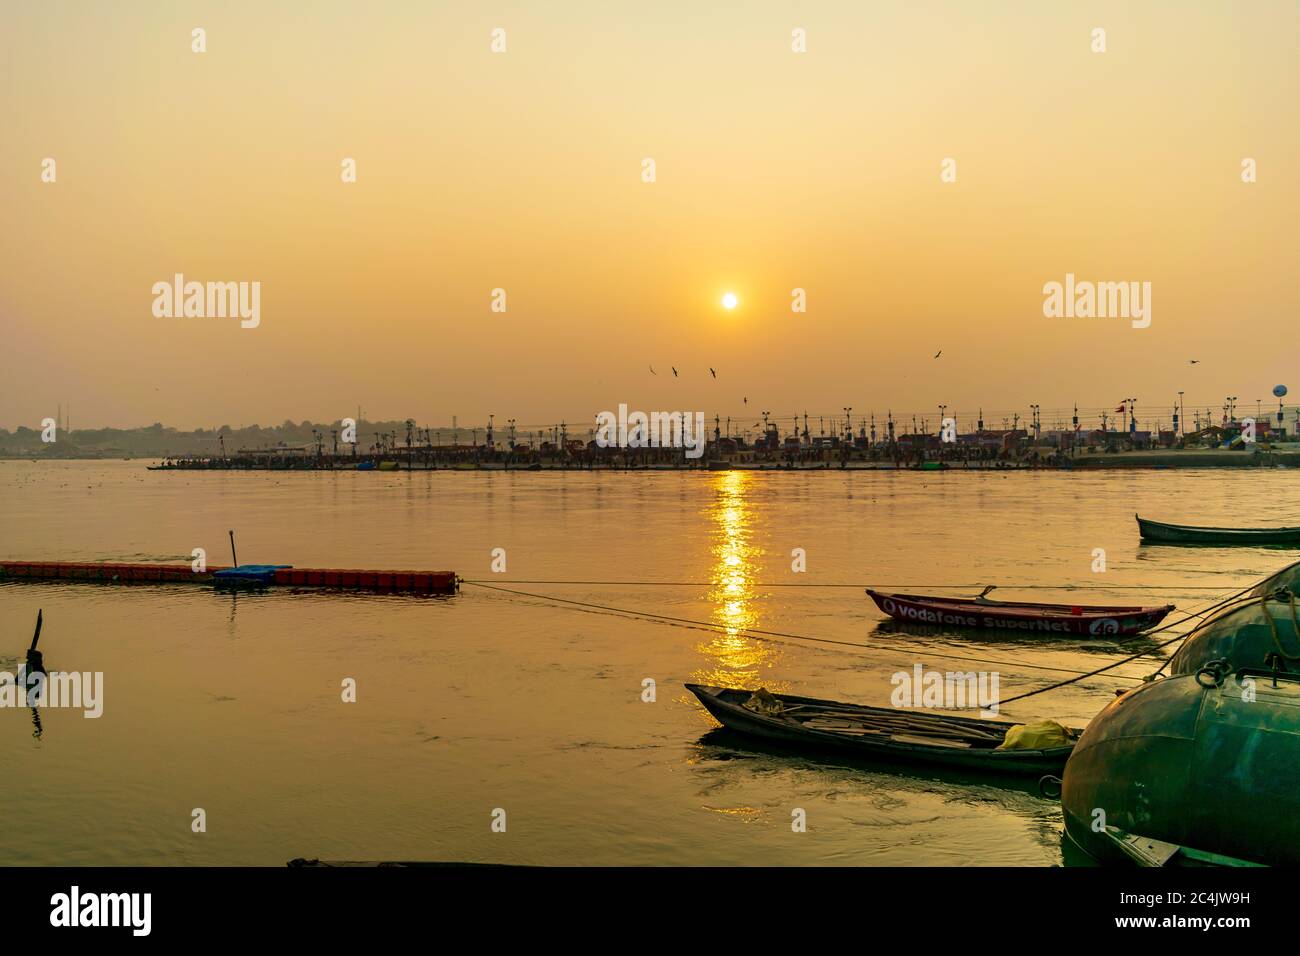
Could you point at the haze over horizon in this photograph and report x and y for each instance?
(522, 170)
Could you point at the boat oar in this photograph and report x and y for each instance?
(234, 559)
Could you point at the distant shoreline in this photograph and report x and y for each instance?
(1160, 459)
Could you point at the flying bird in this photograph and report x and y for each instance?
(938, 353)
(674, 368)
(1193, 361)
(652, 370)
(713, 373)
(746, 401)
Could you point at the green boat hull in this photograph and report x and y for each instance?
(1156, 532)
(1212, 767)
(1146, 852)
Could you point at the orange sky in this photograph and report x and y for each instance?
(522, 171)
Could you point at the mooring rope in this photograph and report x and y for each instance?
(758, 633)
(777, 636)
(813, 584)
(1272, 625)
(1177, 637)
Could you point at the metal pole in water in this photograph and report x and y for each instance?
(35, 660)
(40, 618)
(232, 549)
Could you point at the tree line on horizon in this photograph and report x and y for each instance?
(159, 440)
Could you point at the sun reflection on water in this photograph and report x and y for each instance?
(734, 659)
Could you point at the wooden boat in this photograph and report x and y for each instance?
(1158, 532)
(878, 732)
(981, 612)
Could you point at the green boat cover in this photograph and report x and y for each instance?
(1288, 577)
(1261, 634)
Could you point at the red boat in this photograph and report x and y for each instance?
(981, 612)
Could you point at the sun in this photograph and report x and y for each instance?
(729, 301)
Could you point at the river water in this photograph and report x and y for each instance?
(489, 700)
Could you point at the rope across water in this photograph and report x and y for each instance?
(768, 635)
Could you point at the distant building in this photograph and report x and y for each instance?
(922, 442)
(278, 450)
(1060, 437)
(995, 439)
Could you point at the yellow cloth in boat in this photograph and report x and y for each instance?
(761, 702)
(1038, 735)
